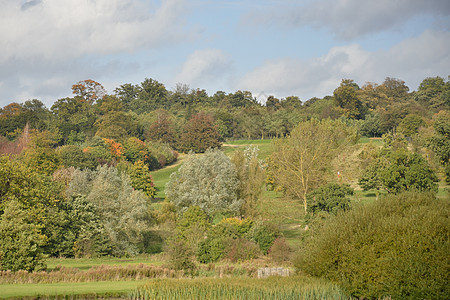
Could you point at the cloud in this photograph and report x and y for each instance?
(62, 29)
(350, 19)
(47, 45)
(204, 66)
(411, 60)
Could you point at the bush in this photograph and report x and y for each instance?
(264, 235)
(181, 256)
(329, 198)
(242, 249)
(395, 247)
(280, 252)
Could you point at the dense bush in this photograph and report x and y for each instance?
(280, 251)
(395, 247)
(329, 198)
(242, 249)
(264, 235)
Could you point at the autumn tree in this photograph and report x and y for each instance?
(300, 163)
(199, 134)
(89, 90)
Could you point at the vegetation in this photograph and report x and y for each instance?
(98, 177)
(394, 247)
(237, 288)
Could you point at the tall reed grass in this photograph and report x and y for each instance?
(97, 273)
(296, 287)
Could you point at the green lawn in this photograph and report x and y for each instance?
(87, 263)
(105, 288)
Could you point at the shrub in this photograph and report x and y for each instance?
(242, 249)
(181, 256)
(192, 226)
(280, 252)
(395, 247)
(264, 235)
(329, 198)
(212, 249)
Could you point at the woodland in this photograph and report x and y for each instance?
(349, 191)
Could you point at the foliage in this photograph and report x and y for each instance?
(440, 141)
(73, 156)
(329, 198)
(410, 125)
(122, 210)
(395, 247)
(181, 256)
(264, 235)
(20, 241)
(208, 181)
(193, 226)
(280, 251)
(141, 178)
(199, 134)
(242, 249)
(251, 176)
(399, 170)
(299, 162)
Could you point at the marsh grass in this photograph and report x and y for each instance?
(296, 287)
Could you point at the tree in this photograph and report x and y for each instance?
(199, 134)
(329, 198)
(440, 141)
(122, 210)
(347, 98)
(20, 241)
(89, 90)
(410, 125)
(251, 176)
(161, 130)
(299, 163)
(141, 178)
(208, 181)
(399, 170)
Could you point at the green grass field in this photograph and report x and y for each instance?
(99, 288)
(87, 263)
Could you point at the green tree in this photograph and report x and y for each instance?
(141, 178)
(208, 181)
(299, 163)
(251, 176)
(440, 141)
(410, 125)
(20, 241)
(329, 198)
(399, 170)
(347, 98)
(192, 227)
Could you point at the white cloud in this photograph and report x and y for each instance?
(411, 60)
(48, 45)
(204, 66)
(63, 29)
(350, 19)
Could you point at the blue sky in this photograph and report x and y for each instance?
(281, 48)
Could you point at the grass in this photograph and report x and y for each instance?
(100, 288)
(87, 263)
(295, 287)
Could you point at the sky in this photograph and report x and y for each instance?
(283, 48)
